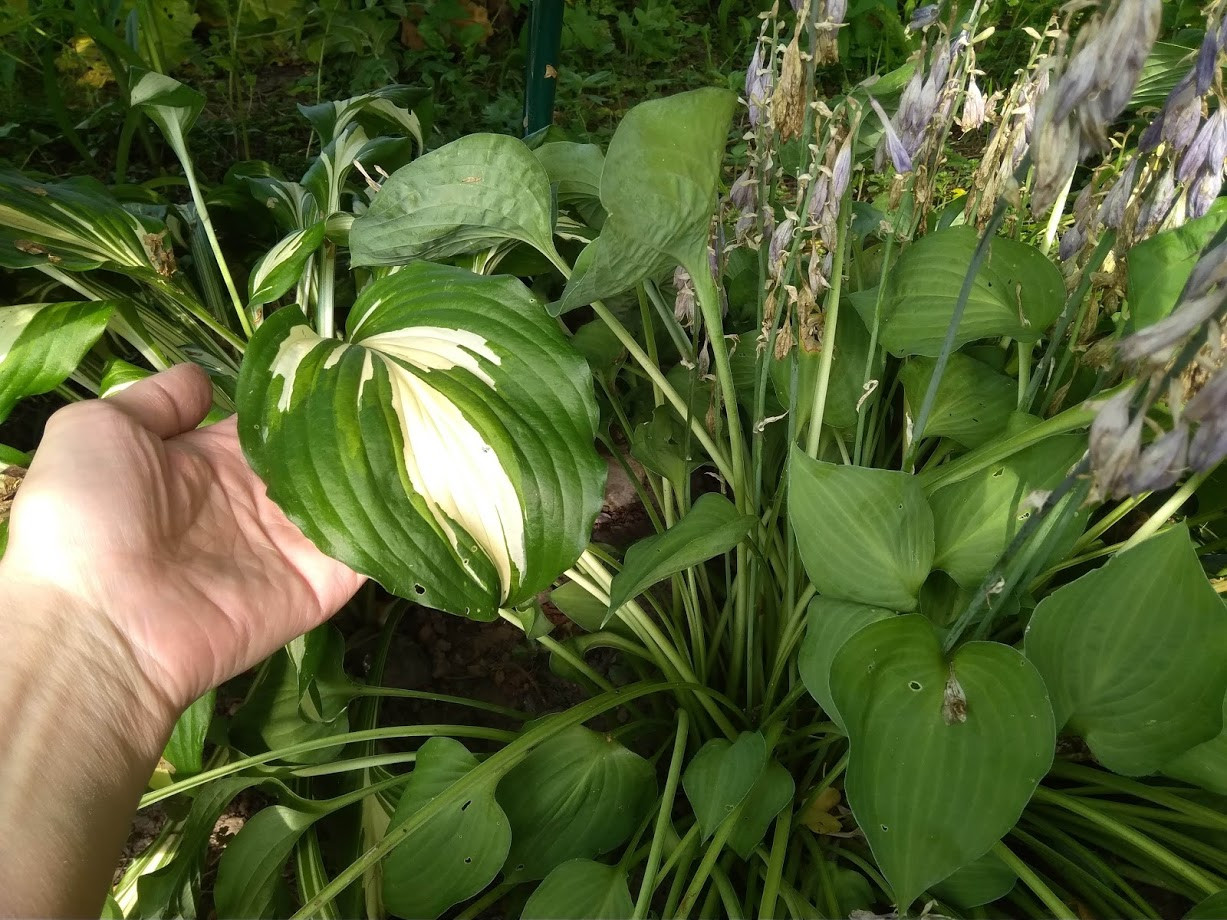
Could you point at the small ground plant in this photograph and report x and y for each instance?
(925, 407)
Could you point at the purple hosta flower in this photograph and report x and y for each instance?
(684, 301)
(891, 145)
(1207, 61)
(1125, 42)
(1158, 205)
(781, 241)
(1072, 241)
(923, 17)
(1203, 192)
(1181, 114)
(831, 15)
(1208, 149)
(760, 82)
(819, 197)
(1161, 463)
(835, 11)
(1209, 409)
(744, 193)
(1056, 150)
(1112, 211)
(1157, 343)
(1115, 442)
(841, 172)
(974, 107)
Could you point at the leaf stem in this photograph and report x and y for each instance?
(664, 818)
(1054, 904)
(830, 327)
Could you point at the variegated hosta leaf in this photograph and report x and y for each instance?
(292, 206)
(42, 343)
(445, 449)
(280, 268)
(74, 225)
(326, 176)
(171, 105)
(391, 104)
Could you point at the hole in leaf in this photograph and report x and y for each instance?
(914, 685)
(418, 589)
(520, 867)
(466, 805)
(468, 860)
(885, 828)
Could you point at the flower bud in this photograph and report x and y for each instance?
(1158, 204)
(1161, 463)
(1156, 343)
(1204, 191)
(841, 172)
(891, 144)
(1208, 149)
(1071, 243)
(974, 109)
(1207, 62)
(1181, 114)
(744, 193)
(781, 241)
(923, 17)
(684, 300)
(1112, 211)
(760, 81)
(1115, 442)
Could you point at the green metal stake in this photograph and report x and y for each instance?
(544, 40)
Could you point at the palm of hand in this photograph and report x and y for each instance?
(173, 541)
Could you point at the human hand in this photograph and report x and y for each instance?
(163, 532)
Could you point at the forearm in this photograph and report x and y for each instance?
(80, 733)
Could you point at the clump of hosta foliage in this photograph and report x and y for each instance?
(929, 619)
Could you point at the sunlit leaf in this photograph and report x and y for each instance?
(470, 194)
(42, 343)
(864, 535)
(574, 169)
(721, 775)
(390, 105)
(658, 186)
(1160, 266)
(1017, 293)
(579, 794)
(281, 267)
(250, 875)
(172, 106)
(944, 754)
(581, 890)
(1132, 654)
(711, 527)
(473, 419)
(185, 748)
(453, 856)
(829, 624)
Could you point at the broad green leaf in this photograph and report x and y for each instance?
(711, 527)
(318, 660)
(390, 105)
(1132, 654)
(41, 344)
(1212, 908)
(169, 104)
(168, 25)
(250, 875)
(661, 445)
(865, 535)
(1160, 266)
(851, 889)
(772, 793)
(579, 794)
(1017, 293)
(574, 169)
(973, 402)
(271, 717)
(944, 754)
(185, 748)
(829, 624)
(977, 883)
(721, 775)
(445, 449)
(455, 855)
(111, 909)
(658, 186)
(974, 521)
(173, 889)
(581, 889)
(75, 225)
(281, 267)
(1204, 765)
(471, 194)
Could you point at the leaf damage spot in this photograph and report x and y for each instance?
(954, 701)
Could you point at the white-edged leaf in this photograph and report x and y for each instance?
(42, 343)
(471, 194)
(445, 449)
(169, 104)
(391, 105)
(281, 267)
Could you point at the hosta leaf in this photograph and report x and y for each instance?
(574, 169)
(865, 535)
(973, 402)
(713, 526)
(281, 267)
(326, 176)
(42, 343)
(579, 794)
(1160, 266)
(721, 775)
(74, 226)
(658, 187)
(172, 106)
(457, 854)
(1017, 293)
(977, 883)
(944, 754)
(185, 748)
(445, 449)
(1133, 655)
(1212, 908)
(473, 193)
(1206, 764)
(389, 104)
(581, 889)
(250, 882)
(830, 623)
(772, 793)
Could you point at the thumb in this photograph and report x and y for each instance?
(168, 403)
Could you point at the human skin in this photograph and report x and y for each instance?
(145, 564)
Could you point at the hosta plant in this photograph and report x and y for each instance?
(928, 618)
